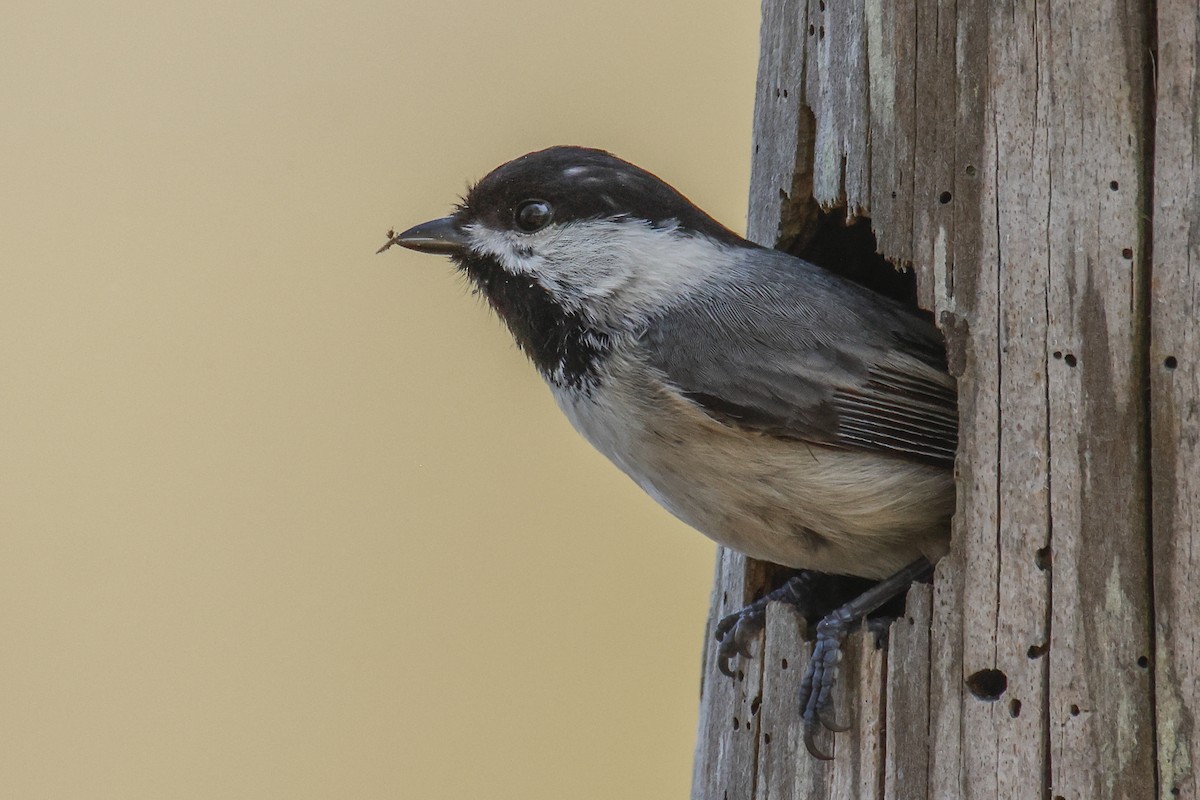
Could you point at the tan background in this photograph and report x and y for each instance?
(283, 518)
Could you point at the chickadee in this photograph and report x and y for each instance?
(777, 408)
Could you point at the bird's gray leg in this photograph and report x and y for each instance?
(736, 631)
(816, 688)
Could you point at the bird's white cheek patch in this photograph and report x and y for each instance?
(515, 255)
(633, 265)
(611, 269)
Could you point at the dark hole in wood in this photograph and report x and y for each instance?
(1175, 791)
(970, 170)
(1074, 710)
(821, 32)
(1070, 359)
(1170, 363)
(1037, 650)
(1143, 662)
(783, 664)
(1058, 353)
(821, 4)
(754, 704)
(785, 94)
(812, 29)
(741, 676)
(736, 724)
(987, 684)
(1127, 253)
(1044, 558)
(880, 639)
(766, 738)
(1114, 185)
(944, 198)
(1014, 708)
(851, 250)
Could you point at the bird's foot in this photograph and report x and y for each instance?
(821, 674)
(809, 592)
(737, 631)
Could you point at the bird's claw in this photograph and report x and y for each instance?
(820, 678)
(736, 632)
(810, 742)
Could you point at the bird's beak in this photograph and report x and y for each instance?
(436, 236)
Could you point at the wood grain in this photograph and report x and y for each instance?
(1174, 369)
(785, 770)
(1012, 153)
(906, 749)
(782, 210)
(1101, 725)
(728, 731)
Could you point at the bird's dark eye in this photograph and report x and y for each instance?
(533, 215)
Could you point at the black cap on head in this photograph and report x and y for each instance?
(582, 183)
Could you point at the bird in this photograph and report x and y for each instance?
(774, 406)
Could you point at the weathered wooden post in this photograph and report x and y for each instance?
(1036, 165)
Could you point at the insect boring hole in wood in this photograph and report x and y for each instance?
(987, 684)
(1044, 558)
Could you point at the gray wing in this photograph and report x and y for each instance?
(787, 349)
